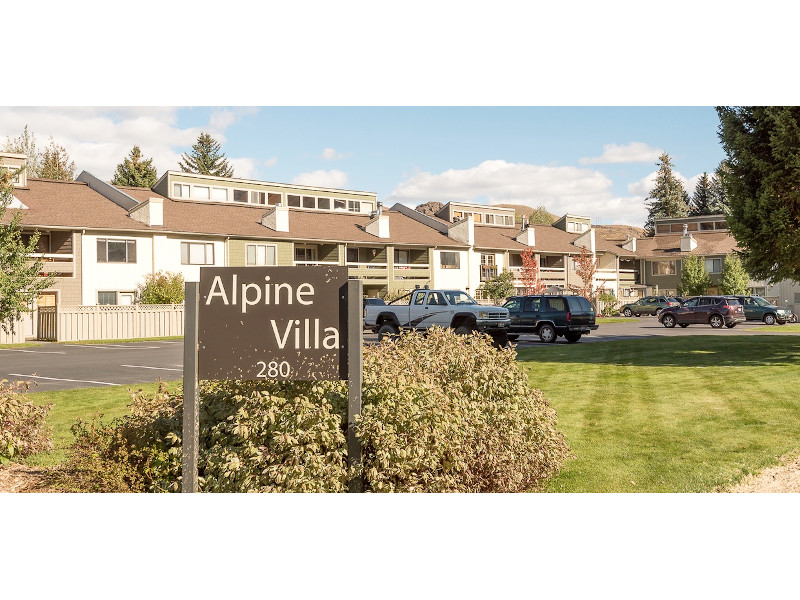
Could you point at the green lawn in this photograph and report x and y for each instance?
(682, 414)
(84, 403)
(787, 328)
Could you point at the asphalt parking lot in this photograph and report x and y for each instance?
(66, 366)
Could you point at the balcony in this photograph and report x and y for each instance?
(60, 265)
(411, 272)
(316, 263)
(488, 272)
(367, 270)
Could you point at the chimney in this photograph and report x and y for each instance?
(463, 231)
(688, 243)
(378, 225)
(276, 218)
(527, 236)
(149, 212)
(630, 244)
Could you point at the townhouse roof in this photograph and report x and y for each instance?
(546, 239)
(74, 205)
(669, 246)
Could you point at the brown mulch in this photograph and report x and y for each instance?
(16, 478)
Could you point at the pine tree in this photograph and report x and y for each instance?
(135, 171)
(206, 158)
(718, 202)
(701, 199)
(20, 279)
(762, 188)
(667, 198)
(695, 280)
(55, 163)
(735, 279)
(25, 144)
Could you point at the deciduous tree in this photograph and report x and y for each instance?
(530, 276)
(135, 170)
(735, 279)
(585, 269)
(667, 198)
(762, 144)
(695, 280)
(20, 277)
(500, 287)
(163, 287)
(25, 143)
(206, 158)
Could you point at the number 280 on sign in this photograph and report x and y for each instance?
(273, 369)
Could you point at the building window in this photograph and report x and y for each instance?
(197, 253)
(354, 206)
(576, 227)
(260, 255)
(219, 194)
(402, 257)
(106, 298)
(551, 262)
(292, 200)
(305, 254)
(201, 192)
(339, 204)
(714, 265)
(180, 190)
(273, 198)
(116, 251)
(664, 267)
(352, 255)
(324, 203)
(450, 260)
(241, 196)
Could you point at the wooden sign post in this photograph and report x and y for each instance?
(271, 323)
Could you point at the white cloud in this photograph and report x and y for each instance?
(271, 162)
(560, 189)
(332, 179)
(98, 139)
(631, 153)
(243, 168)
(331, 154)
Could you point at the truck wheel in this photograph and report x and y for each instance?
(463, 330)
(572, 337)
(547, 334)
(387, 331)
(500, 340)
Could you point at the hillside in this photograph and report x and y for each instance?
(541, 215)
(618, 233)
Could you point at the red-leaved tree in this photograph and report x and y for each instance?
(530, 273)
(585, 268)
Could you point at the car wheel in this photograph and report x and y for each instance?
(387, 331)
(769, 319)
(716, 321)
(572, 337)
(668, 321)
(627, 312)
(684, 325)
(547, 334)
(731, 325)
(463, 330)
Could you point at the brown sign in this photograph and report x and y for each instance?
(275, 323)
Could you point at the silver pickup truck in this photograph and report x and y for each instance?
(443, 308)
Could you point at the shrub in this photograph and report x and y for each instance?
(161, 288)
(23, 427)
(440, 413)
(609, 301)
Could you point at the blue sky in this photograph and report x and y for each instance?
(597, 162)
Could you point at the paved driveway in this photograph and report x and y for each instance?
(67, 366)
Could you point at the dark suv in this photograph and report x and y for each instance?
(713, 310)
(758, 309)
(650, 305)
(550, 317)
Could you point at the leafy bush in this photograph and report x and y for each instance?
(161, 288)
(440, 413)
(609, 301)
(23, 428)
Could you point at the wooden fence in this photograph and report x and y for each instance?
(17, 337)
(79, 323)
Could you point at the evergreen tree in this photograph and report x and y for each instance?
(25, 144)
(135, 171)
(701, 199)
(695, 280)
(667, 198)
(762, 144)
(20, 280)
(735, 279)
(540, 216)
(206, 158)
(718, 202)
(55, 163)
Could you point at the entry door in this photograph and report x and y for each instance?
(46, 321)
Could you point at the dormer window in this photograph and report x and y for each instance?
(202, 192)
(180, 190)
(219, 194)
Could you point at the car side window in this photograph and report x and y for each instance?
(704, 302)
(532, 304)
(557, 304)
(419, 299)
(691, 303)
(435, 298)
(513, 305)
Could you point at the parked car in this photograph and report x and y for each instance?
(757, 308)
(650, 305)
(550, 317)
(712, 310)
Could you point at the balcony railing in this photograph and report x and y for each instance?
(404, 271)
(488, 272)
(59, 264)
(315, 263)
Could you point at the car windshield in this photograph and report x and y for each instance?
(760, 301)
(459, 298)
